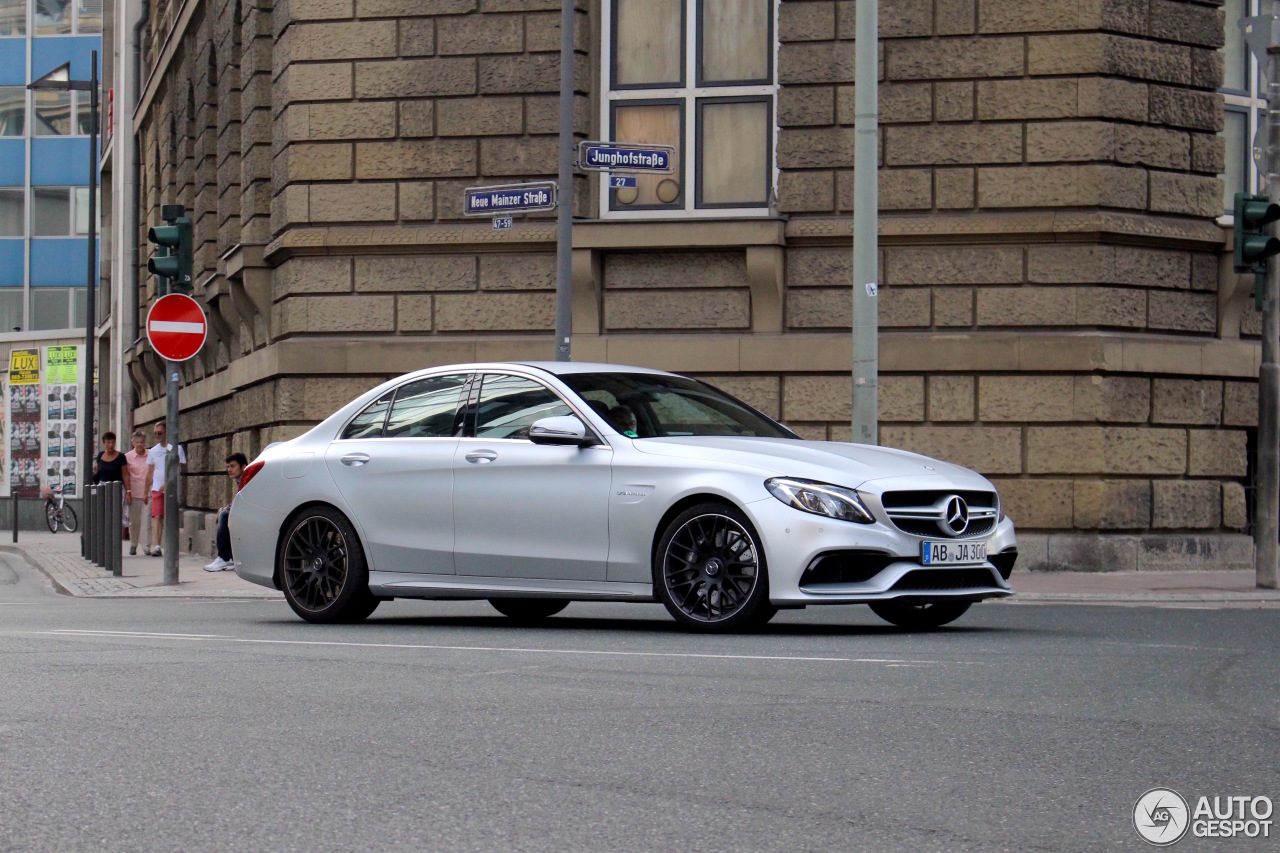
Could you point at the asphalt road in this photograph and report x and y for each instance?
(155, 725)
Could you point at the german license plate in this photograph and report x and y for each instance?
(952, 553)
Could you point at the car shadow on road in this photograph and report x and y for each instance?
(574, 624)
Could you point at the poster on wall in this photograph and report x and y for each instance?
(24, 423)
(61, 419)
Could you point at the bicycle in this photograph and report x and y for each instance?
(59, 513)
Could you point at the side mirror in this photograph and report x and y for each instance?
(564, 430)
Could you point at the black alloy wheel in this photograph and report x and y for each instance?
(527, 610)
(920, 615)
(323, 571)
(710, 571)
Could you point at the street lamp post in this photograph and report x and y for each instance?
(59, 79)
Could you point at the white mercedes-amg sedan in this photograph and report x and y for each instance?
(534, 485)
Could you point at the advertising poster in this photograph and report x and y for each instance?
(61, 419)
(24, 423)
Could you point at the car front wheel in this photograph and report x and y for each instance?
(920, 616)
(709, 570)
(323, 571)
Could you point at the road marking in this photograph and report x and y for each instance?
(144, 635)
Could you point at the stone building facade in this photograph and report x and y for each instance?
(1056, 307)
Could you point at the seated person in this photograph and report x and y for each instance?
(236, 463)
(623, 419)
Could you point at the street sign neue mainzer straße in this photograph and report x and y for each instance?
(509, 198)
(626, 157)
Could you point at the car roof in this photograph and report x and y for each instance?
(564, 368)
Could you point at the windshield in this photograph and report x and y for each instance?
(642, 405)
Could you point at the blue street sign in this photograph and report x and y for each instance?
(626, 157)
(509, 198)
(502, 223)
(617, 182)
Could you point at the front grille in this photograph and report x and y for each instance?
(921, 513)
(942, 579)
(845, 567)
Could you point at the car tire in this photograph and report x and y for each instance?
(323, 571)
(709, 570)
(527, 610)
(920, 616)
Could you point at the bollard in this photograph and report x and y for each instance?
(115, 528)
(14, 506)
(90, 501)
(97, 525)
(100, 549)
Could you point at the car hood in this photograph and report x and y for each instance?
(843, 464)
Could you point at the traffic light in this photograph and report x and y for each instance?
(1253, 245)
(173, 254)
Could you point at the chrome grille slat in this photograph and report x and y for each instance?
(921, 513)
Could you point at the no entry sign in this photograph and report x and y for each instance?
(176, 327)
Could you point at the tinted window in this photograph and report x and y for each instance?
(510, 404)
(426, 408)
(651, 405)
(368, 424)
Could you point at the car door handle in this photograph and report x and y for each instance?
(355, 460)
(481, 457)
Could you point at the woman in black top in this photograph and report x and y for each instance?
(111, 465)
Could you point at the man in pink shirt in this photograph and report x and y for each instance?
(139, 496)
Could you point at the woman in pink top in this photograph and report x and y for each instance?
(139, 496)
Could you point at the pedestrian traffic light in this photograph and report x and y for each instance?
(172, 259)
(1253, 245)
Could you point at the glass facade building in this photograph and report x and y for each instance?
(44, 163)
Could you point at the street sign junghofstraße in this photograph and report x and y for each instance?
(626, 157)
(509, 198)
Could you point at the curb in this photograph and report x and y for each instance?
(30, 561)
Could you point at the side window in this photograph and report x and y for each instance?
(510, 404)
(368, 424)
(426, 408)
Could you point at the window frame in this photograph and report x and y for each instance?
(476, 387)
(74, 206)
(697, 172)
(76, 29)
(1253, 103)
(691, 91)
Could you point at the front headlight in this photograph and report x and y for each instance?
(820, 499)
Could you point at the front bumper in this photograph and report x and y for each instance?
(794, 540)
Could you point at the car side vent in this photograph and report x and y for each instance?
(1004, 561)
(944, 579)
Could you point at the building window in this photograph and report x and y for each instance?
(697, 75)
(64, 17)
(11, 309)
(53, 113)
(61, 211)
(1244, 93)
(57, 308)
(13, 111)
(13, 212)
(13, 17)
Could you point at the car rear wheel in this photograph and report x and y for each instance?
(709, 570)
(528, 609)
(323, 571)
(920, 616)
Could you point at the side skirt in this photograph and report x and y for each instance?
(408, 585)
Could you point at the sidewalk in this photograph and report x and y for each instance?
(58, 556)
(1137, 588)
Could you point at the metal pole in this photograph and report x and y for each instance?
(564, 201)
(170, 539)
(91, 296)
(1267, 527)
(14, 508)
(93, 524)
(866, 214)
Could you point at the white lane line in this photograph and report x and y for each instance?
(440, 648)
